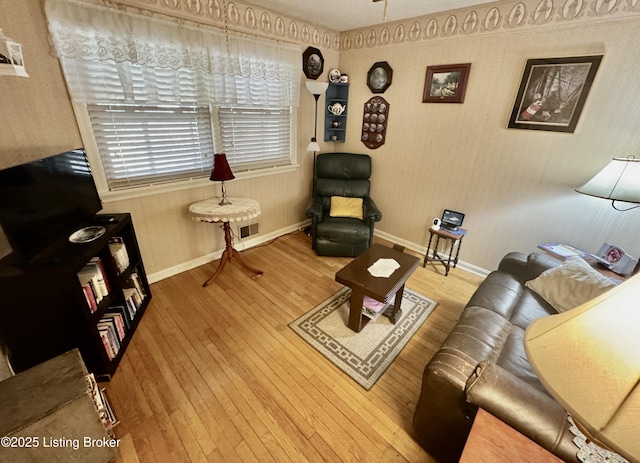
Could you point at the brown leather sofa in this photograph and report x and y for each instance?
(482, 363)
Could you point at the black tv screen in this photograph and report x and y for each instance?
(44, 200)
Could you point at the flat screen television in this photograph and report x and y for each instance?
(44, 200)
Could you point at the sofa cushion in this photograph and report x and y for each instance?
(499, 292)
(513, 359)
(530, 307)
(571, 284)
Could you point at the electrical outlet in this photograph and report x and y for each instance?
(249, 230)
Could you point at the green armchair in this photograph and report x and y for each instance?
(333, 233)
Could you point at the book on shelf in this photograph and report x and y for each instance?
(90, 297)
(94, 282)
(134, 280)
(102, 274)
(107, 343)
(134, 291)
(110, 328)
(119, 253)
(124, 313)
(562, 251)
(109, 334)
(117, 320)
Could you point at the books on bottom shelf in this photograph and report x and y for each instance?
(110, 337)
(373, 309)
(113, 328)
(118, 319)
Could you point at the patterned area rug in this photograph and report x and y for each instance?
(363, 356)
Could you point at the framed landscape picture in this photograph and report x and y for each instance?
(446, 84)
(552, 93)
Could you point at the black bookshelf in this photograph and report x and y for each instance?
(46, 311)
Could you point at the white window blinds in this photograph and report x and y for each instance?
(144, 145)
(255, 138)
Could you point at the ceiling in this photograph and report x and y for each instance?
(343, 15)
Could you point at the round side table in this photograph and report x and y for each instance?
(239, 210)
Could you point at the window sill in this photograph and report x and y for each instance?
(131, 193)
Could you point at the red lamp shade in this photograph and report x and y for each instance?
(221, 171)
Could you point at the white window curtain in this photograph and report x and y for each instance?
(151, 87)
(204, 66)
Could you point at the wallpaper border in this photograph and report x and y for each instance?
(490, 18)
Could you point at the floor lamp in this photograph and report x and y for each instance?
(316, 89)
(617, 181)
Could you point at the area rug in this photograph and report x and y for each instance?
(366, 355)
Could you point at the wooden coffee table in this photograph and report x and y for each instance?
(356, 276)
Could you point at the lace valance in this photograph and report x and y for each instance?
(93, 31)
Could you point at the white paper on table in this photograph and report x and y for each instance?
(383, 268)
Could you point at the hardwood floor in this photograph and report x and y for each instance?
(215, 374)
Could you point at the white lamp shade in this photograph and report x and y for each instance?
(313, 146)
(619, 180)
(589, 359)
(316, 88)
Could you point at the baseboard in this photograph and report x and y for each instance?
(420, 249)
(261, 239)
(245, 244)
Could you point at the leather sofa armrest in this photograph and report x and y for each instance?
(371, 211)
(538, 262)
(526, 267)
(523, 407)
(314, 209)
(514, 263)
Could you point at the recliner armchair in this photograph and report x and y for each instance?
(342, 175)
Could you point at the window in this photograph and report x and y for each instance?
(254, 138)
(142, 145)
(163, 96)
(149, 145)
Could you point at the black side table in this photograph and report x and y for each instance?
(455, 237)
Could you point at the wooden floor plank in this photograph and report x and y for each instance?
(215, 374)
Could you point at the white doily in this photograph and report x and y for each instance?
(383, 268)
(589, 452)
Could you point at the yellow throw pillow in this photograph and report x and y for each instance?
(571, 284)
(346, 207)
